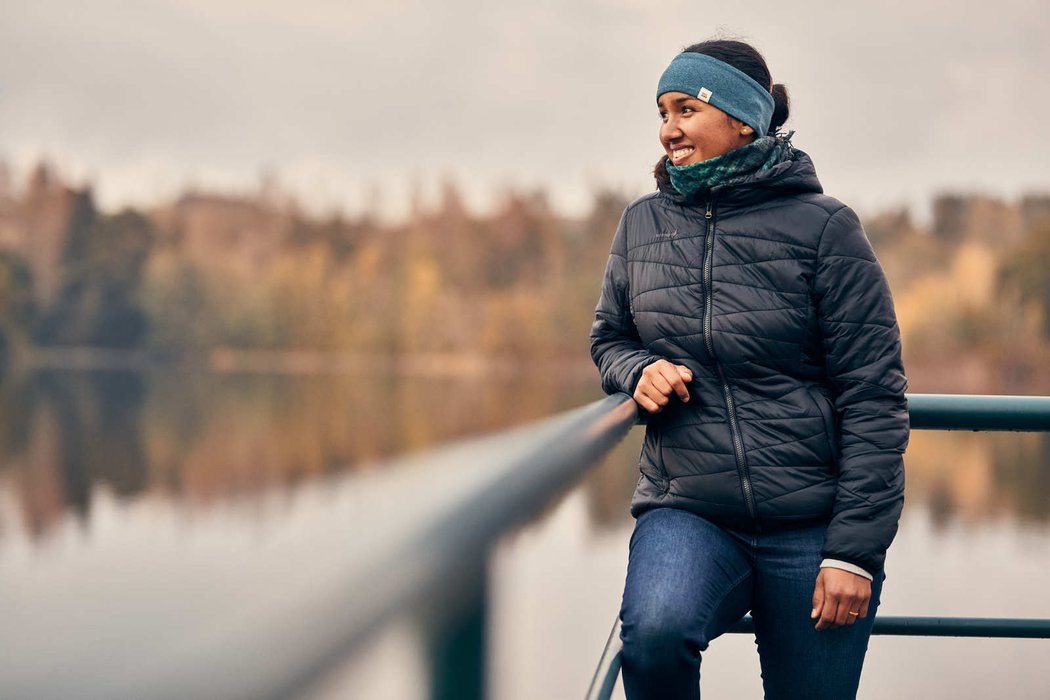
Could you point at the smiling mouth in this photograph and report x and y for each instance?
(680, 154)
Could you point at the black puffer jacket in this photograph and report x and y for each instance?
(770, 293)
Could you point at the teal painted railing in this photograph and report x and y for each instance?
(366, 548)
(213, 615)
(976, 412)
(927, 412)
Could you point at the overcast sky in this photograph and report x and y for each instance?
(895, 100)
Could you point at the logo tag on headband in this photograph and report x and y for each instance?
(704, 95)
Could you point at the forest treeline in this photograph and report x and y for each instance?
(254, 272)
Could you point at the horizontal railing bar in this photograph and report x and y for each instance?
(908, 626)
(997, 628)
(978, 412)
(608, 670)
(210, 613)
(984, 412)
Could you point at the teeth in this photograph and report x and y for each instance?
(678, 153)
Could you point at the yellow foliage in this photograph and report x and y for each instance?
(974, 272)
(949, 310)
(423, 280)
(518, 323)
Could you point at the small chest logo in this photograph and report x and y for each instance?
(668, 234)
(704, 95)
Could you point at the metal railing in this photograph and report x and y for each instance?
(977, 412)
(188, 618)
(184, 616)
(926, 412)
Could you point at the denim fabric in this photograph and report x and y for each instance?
(689, 580)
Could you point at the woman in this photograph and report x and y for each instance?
(747, 315)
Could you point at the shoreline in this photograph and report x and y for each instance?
(958, 375)
(294, 362)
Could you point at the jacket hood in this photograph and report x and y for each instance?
(793, 175)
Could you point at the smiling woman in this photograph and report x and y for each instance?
(694, 131)
(762, 345)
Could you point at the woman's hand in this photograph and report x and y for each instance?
(839, 593)
(659, 380)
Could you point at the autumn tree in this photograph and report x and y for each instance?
(1027, 269)
(101, 271)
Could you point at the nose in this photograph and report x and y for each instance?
(669, 129)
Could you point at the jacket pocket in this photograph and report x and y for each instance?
(652, 465)
(827, 413)
(660, 483)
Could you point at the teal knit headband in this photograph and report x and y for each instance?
(721, 85)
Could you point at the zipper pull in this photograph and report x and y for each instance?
(707, 214)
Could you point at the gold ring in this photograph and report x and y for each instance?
(854, 614)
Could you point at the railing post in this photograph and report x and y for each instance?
(605, 675)
(457, 643)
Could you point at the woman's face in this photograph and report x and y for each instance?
(692, 131)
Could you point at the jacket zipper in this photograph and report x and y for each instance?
(734, 426)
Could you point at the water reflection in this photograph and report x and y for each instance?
(200, 438)
(67, 433)
(979, 476)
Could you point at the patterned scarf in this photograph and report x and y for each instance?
(729, 168)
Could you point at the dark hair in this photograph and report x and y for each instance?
(746, 58)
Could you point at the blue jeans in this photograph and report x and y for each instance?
(688, 581)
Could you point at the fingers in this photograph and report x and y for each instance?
(685, 376)
(860, 607)
(818, 599)
(648, 396)
(646, 403)
(836, 595)
(658, 382)
(668, 378)
(830, 615)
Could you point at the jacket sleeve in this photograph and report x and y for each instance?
(862, 350)
(616, 346)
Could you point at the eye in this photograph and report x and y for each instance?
(687, 110)
(663, 116)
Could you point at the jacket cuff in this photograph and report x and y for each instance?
(846, 566)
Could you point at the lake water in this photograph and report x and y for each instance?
(82, 455)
